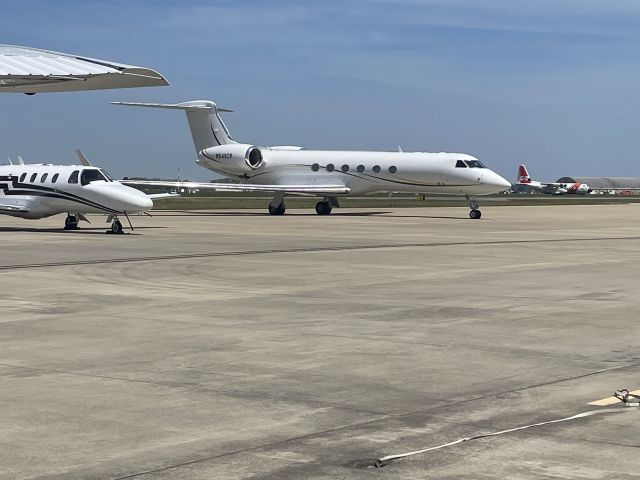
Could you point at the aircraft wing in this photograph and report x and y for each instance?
(13, 209)
(156, 196)
(246, 187)
(32, 70)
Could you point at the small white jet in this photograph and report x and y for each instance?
(555, 188)
(41, 190)
(284, 170)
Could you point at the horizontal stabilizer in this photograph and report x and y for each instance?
(195, 105)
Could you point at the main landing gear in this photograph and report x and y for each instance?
(324, 207)
(473, 205)
(71, 222)
(276, 207)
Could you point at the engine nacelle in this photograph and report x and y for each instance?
(233, 158)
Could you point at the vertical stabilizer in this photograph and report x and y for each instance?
(523, 175)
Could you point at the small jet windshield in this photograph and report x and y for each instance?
(474, 164)
(460, 164)
(93, 175)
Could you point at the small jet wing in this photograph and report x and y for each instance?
(13, 209)
(246, 187)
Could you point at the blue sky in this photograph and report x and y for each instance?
(550, 83)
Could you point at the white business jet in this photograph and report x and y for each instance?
(41, 190)
(284, 170)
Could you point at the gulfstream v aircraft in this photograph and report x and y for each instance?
(284, 170)
(42, 190)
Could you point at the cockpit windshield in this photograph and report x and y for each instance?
(93, 175)
(474, 164)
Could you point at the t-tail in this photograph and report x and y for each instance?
(207, 128)
(523, 175)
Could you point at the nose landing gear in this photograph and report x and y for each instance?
(116, 226)
(473, 205)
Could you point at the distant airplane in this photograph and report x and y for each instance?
(41, 190)
(551, 188)
(284, 170)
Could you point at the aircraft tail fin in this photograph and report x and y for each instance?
(83, 160)
(523, 175)
(207, 128)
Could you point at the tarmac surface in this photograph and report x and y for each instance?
(236, 345)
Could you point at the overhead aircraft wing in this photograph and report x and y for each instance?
(13, 209)
(156, 196)
(246, 187)
(31, 70)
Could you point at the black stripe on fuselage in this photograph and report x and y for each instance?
(38, 190)
(62, 192)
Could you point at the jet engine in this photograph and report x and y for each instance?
(235, 158)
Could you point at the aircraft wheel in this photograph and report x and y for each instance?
(71, 223)
(475, 214)
(279, 210)
(323, 208)
(116, 227)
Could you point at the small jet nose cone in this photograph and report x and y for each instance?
(144, 203)
(138, 201)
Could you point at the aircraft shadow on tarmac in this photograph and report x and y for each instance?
(80, 231)
(213, 213)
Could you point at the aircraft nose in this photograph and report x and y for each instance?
(503, 182)
(497, 181)
(137, 201)
(143, 202)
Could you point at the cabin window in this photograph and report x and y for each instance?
(315, 167)
(345, 168)
(73, 178)
(360, 168)
(22, 177)
(54, 179)
(461, 164)
(44, 177)
(474, 164)
(376, 168)
(330, 167)
(33, 177)
(393, 169)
